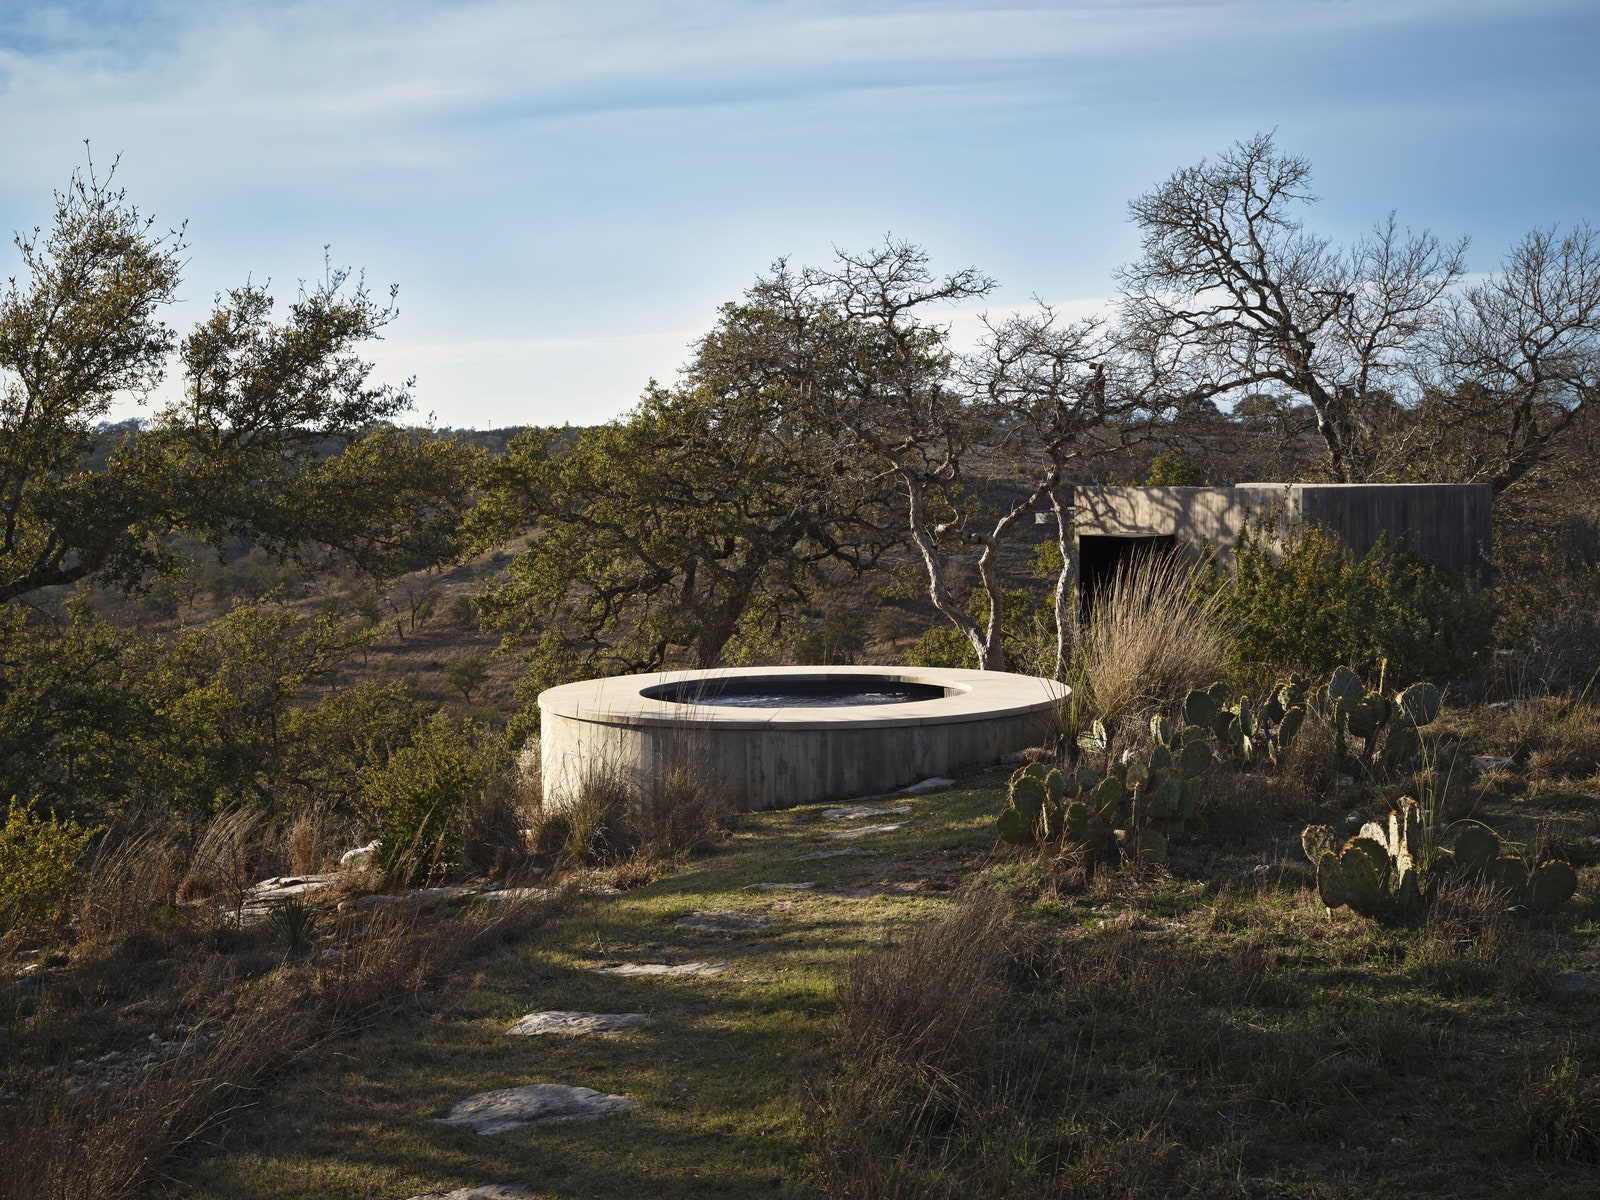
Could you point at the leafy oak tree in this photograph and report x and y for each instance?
(279, 438)
(701, 518)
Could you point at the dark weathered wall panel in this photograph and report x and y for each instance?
(1448, 523)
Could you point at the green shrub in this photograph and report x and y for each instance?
(942, 646)
(1027, 635)
(1303, 601)
(39, 871)
(420, 795)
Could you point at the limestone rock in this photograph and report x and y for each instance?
(856, 813)
(578, 1024)
(1492, 763)
(723, 921)
(693, 968)
(262, 897)
(359, 857)
(863, 830)
(778, 887)
(816, 854)
(937, 784)
(488, 1191)
(533, 1104)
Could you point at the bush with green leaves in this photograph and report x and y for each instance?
(421, 795)
(39, 872)
(1299, 598)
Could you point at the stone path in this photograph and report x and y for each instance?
(578, 1024)
(856, 813)
(533, 1104)
(862, 831)
(723, 921)
(509, 1108)
(693, 968)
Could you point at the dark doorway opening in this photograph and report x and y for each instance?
(1100, 558)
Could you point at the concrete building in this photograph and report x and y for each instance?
(1446, 523)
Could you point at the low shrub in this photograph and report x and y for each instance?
(39, 871)
(420, 794)
(1301, 599)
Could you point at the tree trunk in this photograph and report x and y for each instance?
(1063, 502)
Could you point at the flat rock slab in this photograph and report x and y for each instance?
(488, 1191)
(533, 1104)
(850, 852)
(578, 1024)
(863, 830)
(419, 898)
(1576, 983)
(778, 887)
(855, 814)
(1492, 763)
(502, 895)
(937, 784)
(693, 968)
(723, 921)
(263, 897)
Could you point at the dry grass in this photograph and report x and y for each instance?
(306, 846)
(1560, 1111)
(244, 1026)
(223, 865)
(608, 821)
(922, 1068)
(1470, 945)
(1147, 642)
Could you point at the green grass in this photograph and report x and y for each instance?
(722, 1077)
(1195, 1030)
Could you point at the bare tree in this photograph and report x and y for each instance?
(853, 342)
(1232, 293)
(1518, 361)
(1050, 392)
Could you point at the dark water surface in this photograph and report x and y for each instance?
(783, 693)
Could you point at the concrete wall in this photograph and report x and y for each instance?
(1448, 523)
(772, 758)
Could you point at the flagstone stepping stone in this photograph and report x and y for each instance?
(533, 1104)
(855, 814)
(578, 1024)
(776, 887)
(693, 968)
(863, 830)
(937, 784)
(489, 1191)
(723, 921)
(851, 851)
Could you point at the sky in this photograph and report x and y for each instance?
(564, 192)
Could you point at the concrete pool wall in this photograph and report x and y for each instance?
(776, 757)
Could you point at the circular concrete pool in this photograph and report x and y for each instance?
(777, 736)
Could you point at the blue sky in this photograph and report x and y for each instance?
(565, 191)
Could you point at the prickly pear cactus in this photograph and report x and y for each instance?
(1550, 885)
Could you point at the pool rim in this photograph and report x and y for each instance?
(970, 696)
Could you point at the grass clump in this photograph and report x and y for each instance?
(1148, 641)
